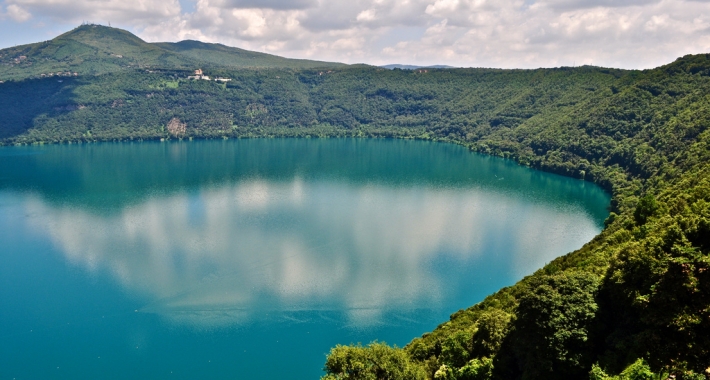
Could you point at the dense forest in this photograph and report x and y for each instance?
(634, 303)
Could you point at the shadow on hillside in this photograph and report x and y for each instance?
(22, 103)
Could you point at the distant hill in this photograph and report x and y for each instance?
(226, 56)
(413, 67)
(96, 49)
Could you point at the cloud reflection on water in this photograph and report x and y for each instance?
(225, 254)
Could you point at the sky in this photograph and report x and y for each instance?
(632, 34)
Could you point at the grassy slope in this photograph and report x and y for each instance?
(87, 50)
(95, 49)
(226, 56)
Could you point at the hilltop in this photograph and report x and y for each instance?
(97, 49)
(415, 67)
(218, 55)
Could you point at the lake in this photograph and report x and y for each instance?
(252, 258)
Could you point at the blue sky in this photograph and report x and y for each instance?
(467, 33)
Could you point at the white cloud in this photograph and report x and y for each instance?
(134, 12)
(504, 33)
(281, 245)
(583, 4)
(442, 6)
(367, 15)
(17, 13)
(271, 4)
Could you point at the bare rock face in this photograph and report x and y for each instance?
(176, 127)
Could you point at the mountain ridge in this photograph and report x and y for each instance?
(220, 54)
(95, 49)
(393, 66)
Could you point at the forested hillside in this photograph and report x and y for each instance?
(634, 303)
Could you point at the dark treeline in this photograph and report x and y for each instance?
(634, 303)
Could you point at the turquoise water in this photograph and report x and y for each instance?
(251, 258)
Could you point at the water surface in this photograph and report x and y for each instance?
(251, 258)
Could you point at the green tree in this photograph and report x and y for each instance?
(476, 369)
(550, 337)
(455, 349)
(493, 326)
(638, 370)
(659, 289)
(376, 361)
(646, 207)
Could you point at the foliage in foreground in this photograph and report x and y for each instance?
(375, 361)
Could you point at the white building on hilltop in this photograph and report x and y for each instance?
(199, 75)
